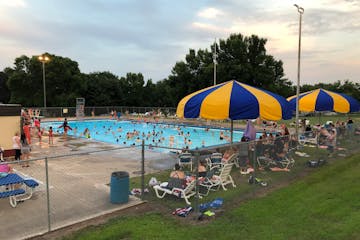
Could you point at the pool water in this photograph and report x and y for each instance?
(131, 133)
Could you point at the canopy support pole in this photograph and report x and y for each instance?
(231, 131)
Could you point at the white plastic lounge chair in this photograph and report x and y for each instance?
(184, 193)
(285, 162)
(207, 183)
(186, 159)
(233, 159)
(308, 140)
(223, 179)
(214, 160)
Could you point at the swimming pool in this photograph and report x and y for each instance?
(156, 134)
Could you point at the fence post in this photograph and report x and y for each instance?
(197, 154)
(47, 193)
(142, 168)
(254, 166)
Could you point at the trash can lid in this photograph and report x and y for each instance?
(120, 174)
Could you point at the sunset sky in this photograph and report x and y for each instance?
(150, 36)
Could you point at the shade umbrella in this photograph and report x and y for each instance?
(234, 100)
(323, 100)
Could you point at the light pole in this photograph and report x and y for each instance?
(215, 61)
(300, 11)
(44, 59)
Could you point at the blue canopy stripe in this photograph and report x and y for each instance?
(354, 104)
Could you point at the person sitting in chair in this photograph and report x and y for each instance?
(308, 131)
(177, 173)
(324, 134)
(177, 178)
(279, 148)
(202, 168)
(227, 154)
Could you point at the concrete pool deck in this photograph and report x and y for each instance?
(79, 184)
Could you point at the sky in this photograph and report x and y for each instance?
(150, 36)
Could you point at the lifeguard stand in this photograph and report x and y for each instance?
(80, 106)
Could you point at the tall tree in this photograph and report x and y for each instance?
(101, 89)
(133, 85)
(239, 58)
(25, 82)
(4, 90)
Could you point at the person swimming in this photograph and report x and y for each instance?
(222, 136)
(87, 133)
(65, 126)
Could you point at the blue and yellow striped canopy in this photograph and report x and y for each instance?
(324, 100)
(233, 100)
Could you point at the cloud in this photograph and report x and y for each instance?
(151, 36)
(208, 27)
(210, 13)
(13, 3)
(318, 22)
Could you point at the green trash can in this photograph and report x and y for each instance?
(119, 187)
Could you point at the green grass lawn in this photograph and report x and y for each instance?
(324, 204)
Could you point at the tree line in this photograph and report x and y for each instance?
(241, 58)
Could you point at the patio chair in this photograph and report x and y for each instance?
(214, 160)
(264, 161)
(309, 138)
(207, 183)
(287, 161)
(184, 193)
(234, 158)
(186, 159)
(268, 162)
(223, 179)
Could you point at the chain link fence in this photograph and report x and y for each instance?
(56, 112)
(74, 177)
(262, 165)
(157, 114)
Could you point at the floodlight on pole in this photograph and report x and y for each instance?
(301, 12)
(44, 59)
(215, 61)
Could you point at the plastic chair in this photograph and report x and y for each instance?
(186, 159)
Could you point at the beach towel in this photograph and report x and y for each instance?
(217, 203)
(183, 212)
(250, 131)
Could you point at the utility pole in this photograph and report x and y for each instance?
(215, 61)
(300, 11)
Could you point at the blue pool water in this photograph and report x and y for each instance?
(131, 133)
